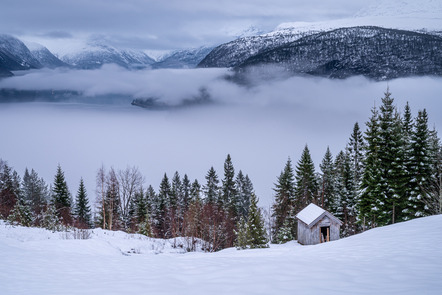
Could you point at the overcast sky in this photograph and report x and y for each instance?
(160, 25)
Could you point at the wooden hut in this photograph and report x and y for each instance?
(316, 225)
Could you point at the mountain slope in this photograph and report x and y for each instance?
(15, 56)
(403, 258)
(96, 53)
(44, 56)
(188, 58)
(417, 16)
(237, 51)
(374, 52)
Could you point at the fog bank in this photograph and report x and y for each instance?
(259, 126)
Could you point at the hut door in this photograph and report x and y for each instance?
(324, 234)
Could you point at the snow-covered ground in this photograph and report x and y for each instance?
(404, 258)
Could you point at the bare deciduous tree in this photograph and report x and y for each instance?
(131, 181)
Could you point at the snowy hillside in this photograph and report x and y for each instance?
(421, 16)
(44, 56)
(398, 259)
(14, 55)
(182, 59)
(94, 53)
(374, 52)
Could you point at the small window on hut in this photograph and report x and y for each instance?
(324, 234)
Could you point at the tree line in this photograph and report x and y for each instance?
(215, 213)
(390, 173)
(387, 174)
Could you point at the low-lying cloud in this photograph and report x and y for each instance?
(260, 125)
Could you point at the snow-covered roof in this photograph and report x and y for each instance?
(310, 213)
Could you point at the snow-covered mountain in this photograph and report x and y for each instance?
(425, 17)
(187, 58)
(95, 53)
(374, 52)
(15, 56)
(44, 56)
(402, 258)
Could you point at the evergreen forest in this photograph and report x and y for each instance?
(389, 172)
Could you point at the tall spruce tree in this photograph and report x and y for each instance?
(82, 210)
(35, 192)
(392, 200)
(150, 197)
(421, 166)
(306, 190)
(61, 197)
(345, 209)
(211, 189)
(407, 132)
(256, 233)
(433, 191)
(229, 196)
(327, 181)
(283, 207)
(195, 191)
(185, 199)
(162, 205)
(9, 189)
(176, 191)
(356, 148)
(372, 173)
(244, 189)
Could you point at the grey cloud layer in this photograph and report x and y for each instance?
(162, 24)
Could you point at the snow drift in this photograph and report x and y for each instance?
(399, 259)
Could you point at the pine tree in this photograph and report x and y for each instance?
(144, 225)
(195, 191)
(50, 219)
(35, 192)
(150, 197)
(241, 234)
(285, 233)
(229, 194)
(306, 183)
(185, 200)
(345, 209)
(161, 209)
(9, 189)
(211, 189)
(433, 191)
(372, 173)
(244, 189)
(393, 169)
(356, 148)
(385, 179)
(327, 185)
(82, 210)
(421, 167)
(21, 213)
(256, 234)
(176, 193)
(284, 201)
(407, 132)
(61, 197)
(176, 214)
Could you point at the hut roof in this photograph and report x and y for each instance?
(310, 214)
